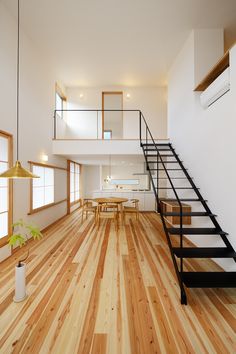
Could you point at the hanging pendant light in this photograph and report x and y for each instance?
(17, 171)
(109, 176)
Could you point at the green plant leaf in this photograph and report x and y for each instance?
(34, 232)
(24, 230)
(17, 239)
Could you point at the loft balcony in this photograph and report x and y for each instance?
(99, 132)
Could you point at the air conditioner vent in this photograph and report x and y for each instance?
(216, 89)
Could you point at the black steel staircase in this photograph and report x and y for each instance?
(165, 170)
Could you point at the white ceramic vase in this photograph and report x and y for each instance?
(20, 287)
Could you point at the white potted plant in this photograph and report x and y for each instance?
(22, 232)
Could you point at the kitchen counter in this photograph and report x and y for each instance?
(146, 198)
(123, 191)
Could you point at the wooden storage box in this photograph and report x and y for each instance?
(173, 207)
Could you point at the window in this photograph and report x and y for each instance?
(125, 181)
(43, 187)
(5, 186)
(60, 100)
(107, 134)
(74, 182)
(59, 105)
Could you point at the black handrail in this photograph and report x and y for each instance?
(183, 295)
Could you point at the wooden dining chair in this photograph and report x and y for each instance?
(134, 208)
(104, 205)
(108, 211)
(89, 207)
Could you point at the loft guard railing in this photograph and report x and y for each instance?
(146, 139)
(73, 124)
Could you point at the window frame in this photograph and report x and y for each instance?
(76, 201)
(45, 206)
(33, 211)
(9, 137)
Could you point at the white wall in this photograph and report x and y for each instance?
(126, 172)
(91, 180)
(94, 175)
(205, 59)
(205, 138)
(37, 87)
(151, 101)
(114, 120)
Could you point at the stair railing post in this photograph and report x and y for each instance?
(140, 128)
(97, 124)
(146, 135)
(181, 237)
(54, 126)
(182, 291)
(179, 276)
(158, 182)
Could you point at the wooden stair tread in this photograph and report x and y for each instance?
(209, 279)
(204, 252)
(196, 231)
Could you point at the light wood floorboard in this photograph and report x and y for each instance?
(99, 291)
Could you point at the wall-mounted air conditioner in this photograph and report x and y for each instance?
(216, 89)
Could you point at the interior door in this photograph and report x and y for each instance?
(112, 120)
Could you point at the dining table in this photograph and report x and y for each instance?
(115, 200)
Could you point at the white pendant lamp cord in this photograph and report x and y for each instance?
(17, 171)
(109, 166)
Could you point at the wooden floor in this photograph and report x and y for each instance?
(103, 292)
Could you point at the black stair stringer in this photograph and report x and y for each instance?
(188, 279)
(204, 204)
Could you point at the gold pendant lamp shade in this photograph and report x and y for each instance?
(17, 171)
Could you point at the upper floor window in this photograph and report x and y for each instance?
(107, 134)
(5, 186)
(43, 187)
(60, 100)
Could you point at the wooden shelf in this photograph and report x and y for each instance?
(173, 207)
(222, 64)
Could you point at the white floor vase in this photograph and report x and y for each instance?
(20, 286)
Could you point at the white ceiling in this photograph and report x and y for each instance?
(118, 42)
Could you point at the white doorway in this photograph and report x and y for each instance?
(112, 122)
